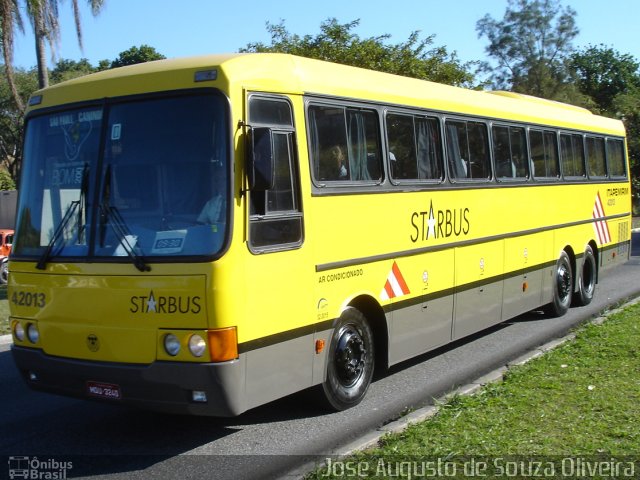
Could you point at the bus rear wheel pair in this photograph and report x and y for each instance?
(563, 282)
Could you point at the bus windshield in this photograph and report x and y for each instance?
(145, 177)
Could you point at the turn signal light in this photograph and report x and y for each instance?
(223, 344)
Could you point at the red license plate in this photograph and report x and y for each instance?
(104, 390)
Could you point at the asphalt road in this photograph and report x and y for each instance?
(267, 442)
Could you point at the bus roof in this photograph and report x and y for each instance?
(285, 73)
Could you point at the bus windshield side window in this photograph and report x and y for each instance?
(468, 150)
(275, 214)
(344, 144)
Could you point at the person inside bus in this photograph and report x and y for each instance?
(213, 210)
(334, 165)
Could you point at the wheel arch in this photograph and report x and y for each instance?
(374, 314)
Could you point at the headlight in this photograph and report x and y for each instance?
(197, 345)
(32, 333)
(171, 344)
(18, 331)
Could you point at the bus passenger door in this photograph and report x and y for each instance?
(478, 287)
(278, 271)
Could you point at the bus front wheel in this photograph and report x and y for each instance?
(350, 361)
(4, 272)
(586, 279)
(562, 287)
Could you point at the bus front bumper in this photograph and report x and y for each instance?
(162, 386)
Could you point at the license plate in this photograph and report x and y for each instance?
(104, 390)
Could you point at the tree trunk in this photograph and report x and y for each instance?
(8, 68)
(41, 50)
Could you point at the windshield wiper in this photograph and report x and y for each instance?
(44, 258)
(119, 226)
(124, 236)
(68, 215)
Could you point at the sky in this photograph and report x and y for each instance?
(196, 27)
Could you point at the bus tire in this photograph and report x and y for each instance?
(350, 361)
(586, 279)
(4, 272)
(562, 287)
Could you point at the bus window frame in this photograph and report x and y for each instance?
(544, 129)
(423, 114)
(297, 211)
(106, 104)
(468, 181)
(625, 158)
(573, 178)
(525, 130)
(346, 186)
(592, 136)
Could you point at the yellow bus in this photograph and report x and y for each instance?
(206, 235)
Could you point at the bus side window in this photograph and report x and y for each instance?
(510, 152)
(275, 216)
(572, 155)
(468, 150)
(615, 158)
(544, 153)
(414, 146)
(596, 157)
(344, 144)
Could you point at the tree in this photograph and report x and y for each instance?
(612, 81)
(11, 119)
(10, 19)
(531, 45)
(134, 55)
(68, 69)
(337, 43)
(43, 15)
(44, 18)
(6, 182)
(26, 82)
(603, 74)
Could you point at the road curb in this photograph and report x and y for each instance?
(5, 339)
(371, 439)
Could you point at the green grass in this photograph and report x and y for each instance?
(4, 311)
(582, 398)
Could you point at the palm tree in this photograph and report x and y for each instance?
(44, 18)
(10, 19)
(43, 15)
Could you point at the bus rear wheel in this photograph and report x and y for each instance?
(350, 361)
(562, 287)
(586, 279)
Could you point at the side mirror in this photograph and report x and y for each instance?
(260, 165)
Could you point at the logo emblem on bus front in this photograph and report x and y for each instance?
(93, 342)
